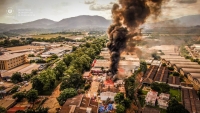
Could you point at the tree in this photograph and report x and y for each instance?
(164, 64)
(198, 93)
(176, 107)
(176, 74)
(32, 95)
(34, 72)
(130, 87)
(164, 87)
(119, 97)
(72, 81)
(20, 111)
(45, 81)
(171, 68)
(40, 61)
(67, 59)
(37, 84)
(3, 110)
(65, 94)
(143, 66)
(16, 77)
(54, 56)
(42, 110)
(120, 108)
(19, 96)
(155, 86)
(31, 55)
(155, 56)
(160, 87)
(14, 89)
(59, 70)
(127, 103)
(74, 48)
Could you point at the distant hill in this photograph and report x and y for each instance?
(86, 22)
(186, 21)
(82, 22)
(79, 22)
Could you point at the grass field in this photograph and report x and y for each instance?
(47, 36)
(175, 93)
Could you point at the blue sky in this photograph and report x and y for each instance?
(19, 11)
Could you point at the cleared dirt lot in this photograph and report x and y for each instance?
(52, 102)
(17, 48)
(26, 68)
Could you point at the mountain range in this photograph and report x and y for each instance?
(88, 22)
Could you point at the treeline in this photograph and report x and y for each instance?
(7, 42)
(69, 71)
(12, 42)
(69, 32)
(51, 40)
(5, 35)
(78, 62)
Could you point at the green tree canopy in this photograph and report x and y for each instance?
(72, 81)
(32, 95)
(120, 108)
(119, 97)
(16, 77)
(59, 70)
(19, 96)
(65, 94)
(3, 110)
(45, 81)
(176, 107)
(143, 66)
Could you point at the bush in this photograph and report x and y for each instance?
(31, 55)
(14, 89)
(87, 86)
(163, 64)
(16, 77)
(176, 74)
(120, 108)
(40, 61)
(65, 94)
(171, 68)
(160, 87)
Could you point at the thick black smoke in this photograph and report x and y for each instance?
(127, 16)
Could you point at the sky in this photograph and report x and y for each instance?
(20, 11)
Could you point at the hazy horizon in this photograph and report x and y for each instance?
(21, 11)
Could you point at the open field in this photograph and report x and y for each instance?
(17, 48)
(48, 36)
(175, 93)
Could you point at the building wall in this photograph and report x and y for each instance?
(12, 63)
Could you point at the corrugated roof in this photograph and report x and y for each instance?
(195, 66)
(195, 75)
(190, 70)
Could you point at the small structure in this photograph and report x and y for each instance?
(149, 110)
(156, 63)
(105, 95)
(185, 71)
(80, 104)
(40, 44)
(151, 98)
(163, 100)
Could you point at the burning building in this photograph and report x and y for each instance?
(127, 16)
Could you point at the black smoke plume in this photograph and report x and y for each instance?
(127, 16)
